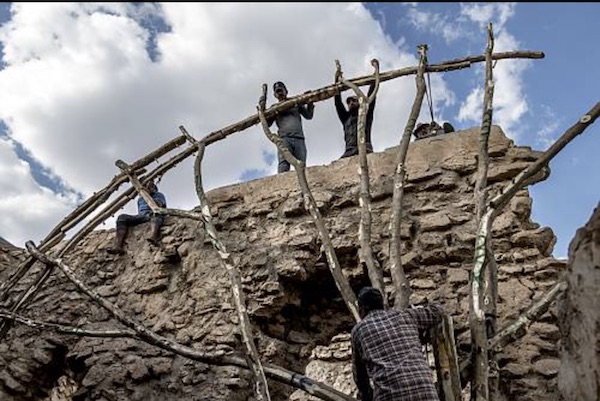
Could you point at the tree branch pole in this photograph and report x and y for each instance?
(319, 95)
(479, 385)
(399, 279)
(518, 327)
(486, 124)
(102, 195)
(62, 329)
(5, 324)
(331, 90)
(36, 286)
(277, 373)
(24, 267)
(125, 197)
(364, 230)
(139, 187)
(311, 205)
(495, 206)
(490, 302)
(446, 359)
(58, 233)
(501, 200)
(480, 390)
(261, 385)
(520, 180)
(314, 96)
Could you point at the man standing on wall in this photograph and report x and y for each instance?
(289, 123)
(349, 120)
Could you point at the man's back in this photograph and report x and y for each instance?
(387, 345)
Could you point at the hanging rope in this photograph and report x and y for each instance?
(429, 96)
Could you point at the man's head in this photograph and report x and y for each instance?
(448, 127)
(421, 130)
(352, 102)
(151, 187)
(280, 91)
(369, 299)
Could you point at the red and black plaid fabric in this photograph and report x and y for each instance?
(387, 349)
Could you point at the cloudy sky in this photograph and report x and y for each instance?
(85, 84)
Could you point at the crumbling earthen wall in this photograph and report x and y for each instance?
(579, 317)
(182, 291)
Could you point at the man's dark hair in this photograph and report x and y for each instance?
(448, 127)
(370, 298)
(151, 186)
(279, 84)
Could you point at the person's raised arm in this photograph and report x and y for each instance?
(371, 105)
(339, 105)
(307, 110)
(263, 100)
(426, 316)
(340, 108)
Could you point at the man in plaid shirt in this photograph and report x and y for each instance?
(386, 348)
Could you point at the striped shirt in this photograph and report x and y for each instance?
(387, 349)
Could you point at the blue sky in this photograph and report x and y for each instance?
(84, 84)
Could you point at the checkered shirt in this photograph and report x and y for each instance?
(387, 349)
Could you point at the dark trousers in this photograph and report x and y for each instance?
(128, 220)
(353, 150)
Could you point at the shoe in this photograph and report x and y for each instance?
(116, 251)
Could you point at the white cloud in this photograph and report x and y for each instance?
(80, 90)
(547, 134)
(451, 29)
(483, 13)
(26, 209)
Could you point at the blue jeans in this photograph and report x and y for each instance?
(297, 147)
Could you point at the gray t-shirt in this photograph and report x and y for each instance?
(289, 122)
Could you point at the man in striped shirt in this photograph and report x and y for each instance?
(386, 348)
